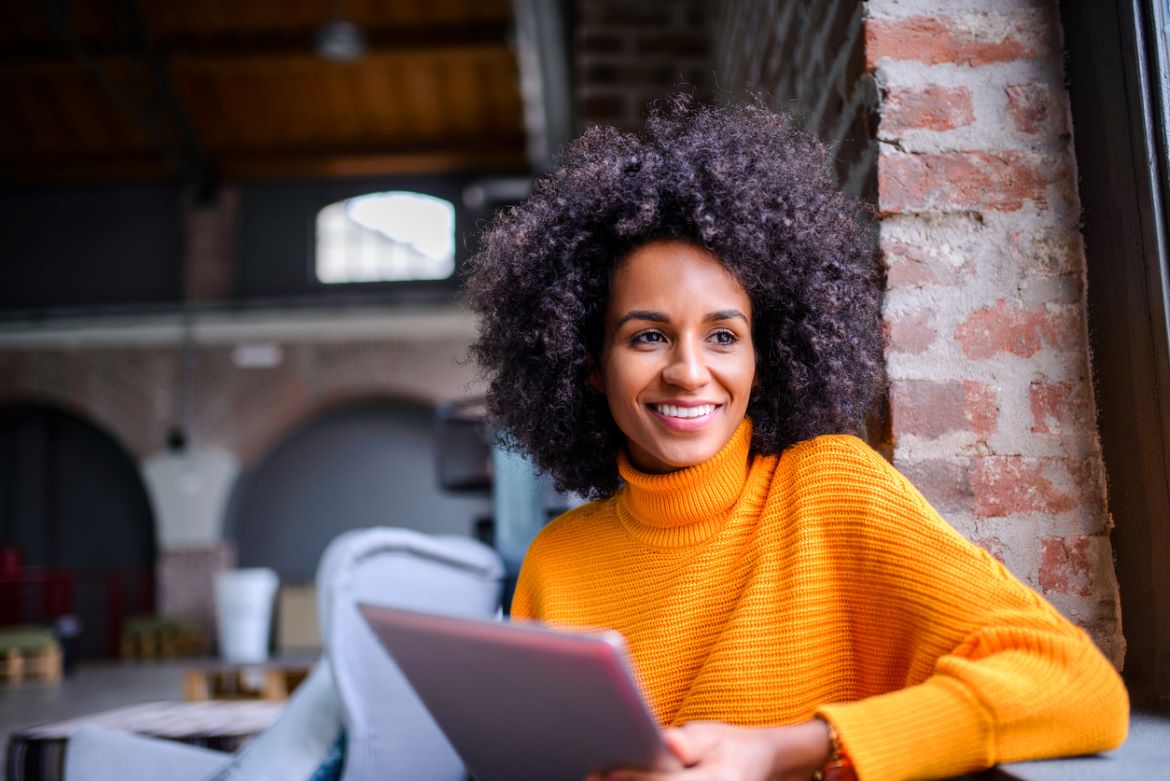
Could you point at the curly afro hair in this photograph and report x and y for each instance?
(741, 182)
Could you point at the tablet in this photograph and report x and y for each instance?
(520, 701)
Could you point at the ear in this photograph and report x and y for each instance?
(593, 379)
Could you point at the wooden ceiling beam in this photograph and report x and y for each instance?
(502, 155)
(411, 42)
(388, 164)
(298, 60)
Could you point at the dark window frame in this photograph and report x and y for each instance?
(1116, 65)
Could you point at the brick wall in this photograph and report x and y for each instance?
(807, 59)
(629, 52)
(131, 390)
(972, 172)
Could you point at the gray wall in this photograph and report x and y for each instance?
(371, 465)
(93, 246)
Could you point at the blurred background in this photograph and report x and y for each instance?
(232, 234)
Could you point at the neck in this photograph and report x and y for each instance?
(687, 505)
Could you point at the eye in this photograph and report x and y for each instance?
(648, 337)
(724, 338)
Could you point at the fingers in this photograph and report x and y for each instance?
(693, 741)
(690, 744)
(682, 746)
(629, 775)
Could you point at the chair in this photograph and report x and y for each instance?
(387, 729)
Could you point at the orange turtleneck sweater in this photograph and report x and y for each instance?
(764, 590)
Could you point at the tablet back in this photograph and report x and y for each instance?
(517, 701)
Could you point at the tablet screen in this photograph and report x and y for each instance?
(520, 701)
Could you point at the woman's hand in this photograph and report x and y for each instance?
(713, 751)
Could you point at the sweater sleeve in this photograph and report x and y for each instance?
(994, 674)
(523, 597)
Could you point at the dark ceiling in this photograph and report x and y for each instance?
(208, 90)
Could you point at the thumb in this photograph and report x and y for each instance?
(690, 742)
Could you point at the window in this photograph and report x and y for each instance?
(386, 237)
(1118, 67)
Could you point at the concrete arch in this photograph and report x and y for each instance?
(129, 393)
(285, 420)
(76, 507)
(360, 460)
(115, 424)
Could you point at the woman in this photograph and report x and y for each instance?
(684, 326)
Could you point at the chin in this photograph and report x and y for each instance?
(687, 457)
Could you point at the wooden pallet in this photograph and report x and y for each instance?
(42, 664)
(150, 637)
(250, 682)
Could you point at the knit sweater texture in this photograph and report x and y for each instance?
(764, 590)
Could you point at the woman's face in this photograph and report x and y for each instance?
(677, 362)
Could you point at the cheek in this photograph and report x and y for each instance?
(740, 377)
(621, 385)
(747, 381)
(625, 376)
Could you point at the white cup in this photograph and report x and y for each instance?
(243, 611)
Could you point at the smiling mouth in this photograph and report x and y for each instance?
(684, 413)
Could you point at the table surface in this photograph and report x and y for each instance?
(1144, 755)
(38, 752)
(175, 720)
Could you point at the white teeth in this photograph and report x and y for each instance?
(671, 411)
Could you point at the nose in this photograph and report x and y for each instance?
(686, 367)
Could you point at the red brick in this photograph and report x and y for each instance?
(1037, 108)
(603, 107)
(616, 75)
(1058, 406)
(1067, 566)
(993, 545)
(624, 13)
(909, 265)
(697, 14)
(601, 43)
(1104, 630)
(597, 73)
(911, 333)
(674, 45)
(1005, 328)
(1048, 251)
(976, 179)
(964, 39)
(946, 483)
(927, 408)
(980, 407)
(1015, 485)
(930, 108)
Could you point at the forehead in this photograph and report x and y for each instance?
(674, 274)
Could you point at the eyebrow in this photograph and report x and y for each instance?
(662, 317)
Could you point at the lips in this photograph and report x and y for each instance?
(685, 418)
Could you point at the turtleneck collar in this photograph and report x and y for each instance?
(687, 506)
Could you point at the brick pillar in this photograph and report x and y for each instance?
(209, 247)
(185, 584)
(991, 399)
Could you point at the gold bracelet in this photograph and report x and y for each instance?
(836, 760)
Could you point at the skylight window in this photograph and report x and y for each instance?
(386, 237)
